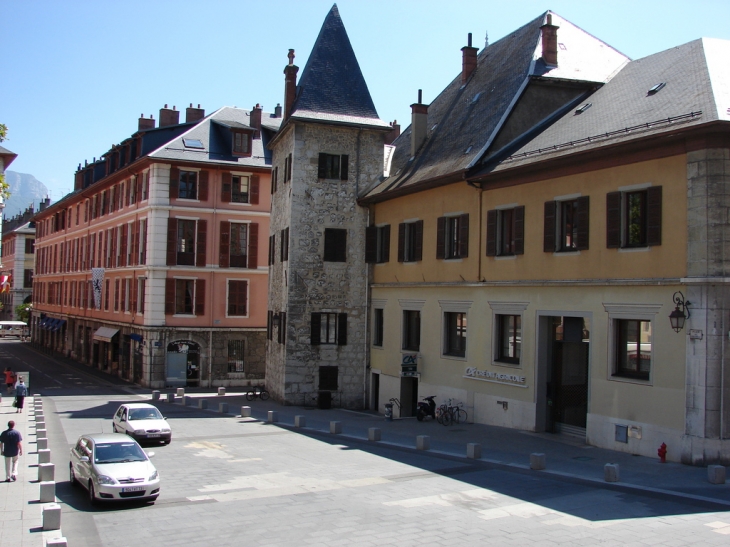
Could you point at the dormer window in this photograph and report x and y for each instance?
(242, 143)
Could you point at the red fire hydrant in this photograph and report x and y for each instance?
(662, 452)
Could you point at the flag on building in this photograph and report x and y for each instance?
(5, 283)
(97, 280)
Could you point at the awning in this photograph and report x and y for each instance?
(58, 324)
(105, 334)
(50, 323)
(137, 337)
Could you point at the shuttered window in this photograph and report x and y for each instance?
(452, 237)
(328, 329)
(332, 166)
(410, 241)
(284, 249)
(634, 219)
(377, 244)
(237, 298)
(335, 245)
(506, 232)
(566, 225)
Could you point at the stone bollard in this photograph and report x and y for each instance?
(273, 416)
(170, 397)
(611, 472)
(40, 434)
(155, 395)
(473, 451)
(181, 392)
(57, 542)
(537, 461)
(716, 474)
(223, 408)
(48, 492)
(423, 442)
(203, 403)
(335, 428)
(44, 455)
(373, 434)
(40, 425)
(187, 400)
(245, 412)
(39, 417)
(221, 391)
(46, 472)
(42, 444)
(52, 517)
(300, 421)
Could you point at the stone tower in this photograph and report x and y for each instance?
(328, 150)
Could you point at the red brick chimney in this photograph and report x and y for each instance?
(145, 123)
(255, 120)
(194, 114)
(468, 61)
(394, 133)
(169, 117)
(550, 42)
(419, 119)
(290, 87)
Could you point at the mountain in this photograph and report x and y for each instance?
(25, 190)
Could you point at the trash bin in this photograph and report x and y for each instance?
(324, 400)
(389, 412)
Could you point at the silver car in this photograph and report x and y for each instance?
(113, 467)
(142, 422)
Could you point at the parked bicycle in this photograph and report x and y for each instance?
(256, 393)
(449, 413)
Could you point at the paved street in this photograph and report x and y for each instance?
(233, 481)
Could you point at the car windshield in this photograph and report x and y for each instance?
(144, 414)
(118, 452)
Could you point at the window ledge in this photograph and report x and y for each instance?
(631, 380)
(459, 259)
(188, 315)
(377, 347)
(505, 257)
(506, 364)
(453, 357)
(634, 249)
(567, 253)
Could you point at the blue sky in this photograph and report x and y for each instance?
(76, 75)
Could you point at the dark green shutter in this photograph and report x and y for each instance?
(583, 221)
(548, 238)
(654, 215)
(613, 220)
(342, 329)
(316, 327)
(344, 164)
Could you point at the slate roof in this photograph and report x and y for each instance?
(332, 87)
(464, 119)
(8, 155)
(697, 91)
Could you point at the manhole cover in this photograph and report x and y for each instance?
(583, 458)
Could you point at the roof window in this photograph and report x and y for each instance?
(583, 108)
(193, 143)
(476, 97)
(467, 150)
(657, 88)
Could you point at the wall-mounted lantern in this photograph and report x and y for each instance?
(678, 316)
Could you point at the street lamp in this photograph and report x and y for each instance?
(678, 317)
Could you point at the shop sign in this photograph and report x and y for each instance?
(183, 346)
(496, 377)
(409, 365)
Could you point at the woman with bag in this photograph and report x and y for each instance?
(21, 391)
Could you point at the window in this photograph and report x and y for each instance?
(455, 334)
(239, 245)
(335, 245)
(634, 218)
(142, 241)
(27, 279)
(452, 237)
(274, 179)
(241, 143)
(237, 298)
(328, 378)
(29, 246)
(281, 337)
(328, 329)
(284, 251)
(188, 185)
(184, 296)
(377, 244)
(378, 327)
(140, 293)
(272, 249)
(239, 189)
(633, 348)
(410, 241)
(566, 225)
(411, 330)
(506, 232)
(332, 167)
(509, 338)
(186, 242)
(236, 352)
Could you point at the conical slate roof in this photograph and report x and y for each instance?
(332, 87)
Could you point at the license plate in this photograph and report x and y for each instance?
(150, 435)
(133, 489)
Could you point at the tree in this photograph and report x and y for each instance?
(4, 188)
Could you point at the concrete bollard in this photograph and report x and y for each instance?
(52, 517)
(473, 451)
(42, 444)
(273, 416)
(56, 542)
(40, 425)
(181, 392)
(716, 474)
(245, 412)
(203, 403)
(223, 408)
(46, 472)
(221, 391)
(170, 397)
(48, 492)
(300, 421)
(187, 400)
(40, 434)
(335, 428)
(44, 455)
(373, 434)
(537, 461)
(611, 472)
(39, 417)
(155, 395)
(423, 442)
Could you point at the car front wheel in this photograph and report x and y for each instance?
(72, 475)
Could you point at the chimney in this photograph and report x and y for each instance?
(194, 114)
(419, 119)
(255, 120)
(145, 123)
(44, 203)
(169, 117)
(394, 133)
(468, 61)
(290, 86)
(550, 42)
(277, 111)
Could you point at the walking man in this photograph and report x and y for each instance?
(21, 391)
(11, 447)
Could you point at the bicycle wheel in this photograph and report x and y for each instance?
(461, 416)
(446, 419)
(250, 395)
(440, 415)
(264, 395)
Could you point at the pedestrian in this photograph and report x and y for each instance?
(21, 391)
(9, 379)
(11, 447)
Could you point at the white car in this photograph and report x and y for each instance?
(113, 467)
(142, 422)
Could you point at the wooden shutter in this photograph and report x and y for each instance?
(116, 257)
(133, 299)
(138, 193)
(269, 323)
(134, 244)
(341, 329)
(253, 245)
(171, 241)
(464, 236)
(174, 182)
(654, 215)
(401, 242)
(282, 326)
(289, 169)
(322, 167)
(548, 237)
(371, 244)
(519, 230)
(386, 244)
(441, 237)
(226, 182)
(315, 328)
(253, 190)
(613, 220)
(492, 232)
(418, 243)
(583, 221)
(201, 244)
(224, 258)
(200, 297)
(203, 186)
(169, 296)
(123, 246)
(344, 165)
